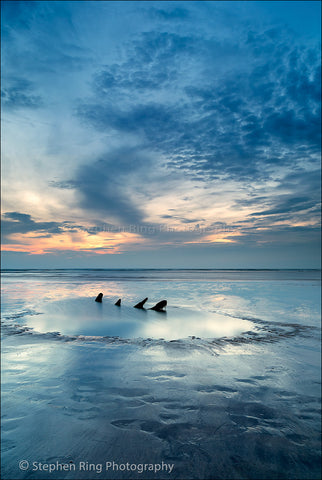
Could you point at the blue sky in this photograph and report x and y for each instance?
(161, 134)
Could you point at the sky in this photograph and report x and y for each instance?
(161, 134)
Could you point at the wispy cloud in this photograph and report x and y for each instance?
(17, 93)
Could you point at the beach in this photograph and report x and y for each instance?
(225, 385)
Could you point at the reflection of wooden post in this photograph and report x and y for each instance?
(99, 298)
(118, 303)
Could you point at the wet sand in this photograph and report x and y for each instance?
(244, 406)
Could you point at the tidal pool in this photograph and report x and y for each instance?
(84, 316)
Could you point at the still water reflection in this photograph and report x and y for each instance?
(83, 316)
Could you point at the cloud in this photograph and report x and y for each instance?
(22, 234)
(16, 222)
(177, 13)
(106, 186)
(280, 236)
(244, 124)
(18, 93)
(16, 15)
(147, 67)
(295, 198)
(41, 39)
(238, 124)
(287, 205)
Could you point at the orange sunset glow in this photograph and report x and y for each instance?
(100, 243)
(80, 241)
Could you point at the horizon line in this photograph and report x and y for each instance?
(155, 268)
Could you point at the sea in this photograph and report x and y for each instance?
(224, 384)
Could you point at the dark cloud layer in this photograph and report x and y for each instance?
(289, 205)
(101, 194)
(103, 187)
(236, 124)
(22, 223)
(16, 222)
